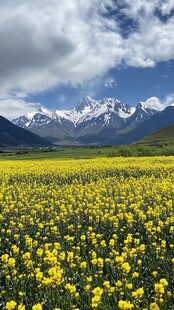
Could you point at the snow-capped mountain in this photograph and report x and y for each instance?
(90, 117)
(86, 109)
(106, 113)
(143, 111)
(147, 108)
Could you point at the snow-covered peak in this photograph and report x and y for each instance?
(45, 111)
(123, 114)
(69, 115)
(152, 103)
(110, 106)
(85, 104)
(30, 115)
(109, 101)
(42, 111)
(117, 107)
(87, 109)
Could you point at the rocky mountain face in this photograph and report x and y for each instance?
(91, 121)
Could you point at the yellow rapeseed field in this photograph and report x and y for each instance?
(87, 234)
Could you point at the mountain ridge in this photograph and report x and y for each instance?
(89, 118)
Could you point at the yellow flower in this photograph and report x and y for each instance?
(94, 261)
(142, 248)
(95, 301)
(138, 293)
(112, 242)
(97, 291)
(83, 265)
(39, 252)
(126, 267)
(118, 283)
(89, 279)
(21, 307)
(139, 262)
(82, 237)
(87, 287)
(106, 284)
(125, 305)
(129, 286)
(70, 288)
(155, 273)
(135, 275)
(4, 258)
(164, 282)
(62, 256)
(154, 306)
(26, 255)
(39, 276)
(159, 288)
(37, 307)
(47, 281)
(15, 249)
(103, 243)
(10, 305)
(100, 262)
(119, 259)
(11, 262)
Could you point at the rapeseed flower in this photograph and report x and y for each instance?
(10, 305)
(125, 305)
(21, 307)
(37, 307)
(98, 229)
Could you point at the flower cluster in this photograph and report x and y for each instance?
(87, 234)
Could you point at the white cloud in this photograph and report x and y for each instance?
(47, 42)
(110, 83)
(13, 108)
(167, 6)
(157, 104)
(154, 103)
(152, 42)
(169, 99)
(44, 43)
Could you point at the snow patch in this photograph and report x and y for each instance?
(107, 118)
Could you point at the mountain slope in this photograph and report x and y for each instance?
(166, 133)
(143, 111)
(14, 136)
(156, 122)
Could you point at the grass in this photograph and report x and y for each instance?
(63, 153)
(160, 143)
(166, 133)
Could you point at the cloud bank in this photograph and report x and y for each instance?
(47, 42)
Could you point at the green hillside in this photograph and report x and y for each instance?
(166, 133)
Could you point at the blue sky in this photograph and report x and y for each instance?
(66, 50)
(130, 85)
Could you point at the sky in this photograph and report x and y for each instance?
(53, 52)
